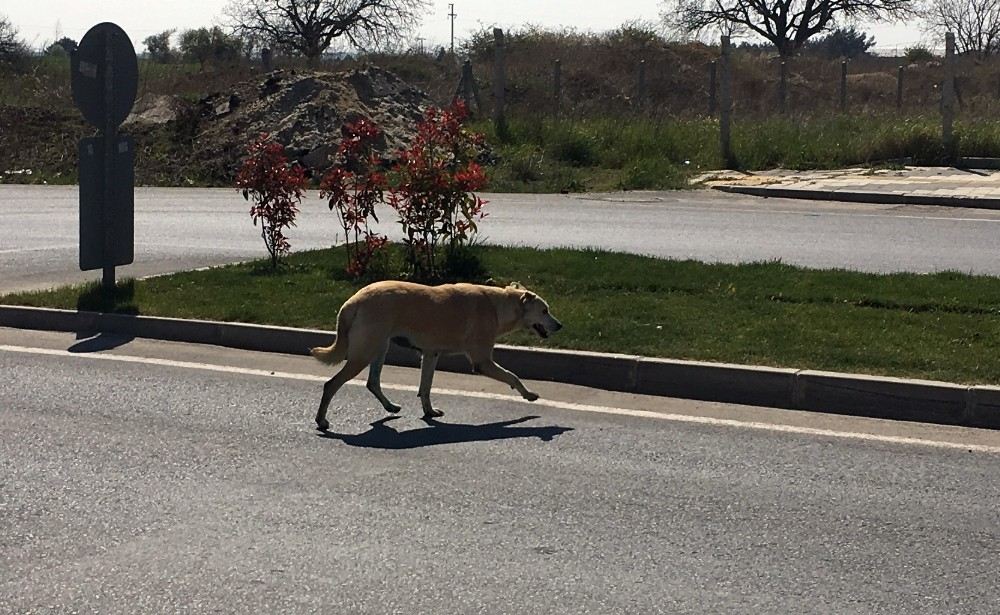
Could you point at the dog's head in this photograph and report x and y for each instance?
(535, 313)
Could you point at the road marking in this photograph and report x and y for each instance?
(64, 246)
(817, 213)
(561, 405)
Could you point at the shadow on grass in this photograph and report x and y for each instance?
(382, 435)
(121, 300)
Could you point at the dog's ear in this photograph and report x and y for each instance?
(527, 296)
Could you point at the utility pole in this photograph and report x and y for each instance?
(420, 45)
(452, 15)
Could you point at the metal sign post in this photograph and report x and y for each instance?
(105, 76)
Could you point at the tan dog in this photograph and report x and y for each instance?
(452, 318)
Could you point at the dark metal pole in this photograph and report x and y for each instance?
(557, 84)
(499, 82)
(712, 72)
(899, 87)
(948, 95)
(725, 105)
(110, 134)
(843, 85)
(640, 86)
(783, 87)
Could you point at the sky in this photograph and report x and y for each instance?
(43, 21)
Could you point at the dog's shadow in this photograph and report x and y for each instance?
(96, 343)
(382, 435)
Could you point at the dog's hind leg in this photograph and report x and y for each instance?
(351, 369)
(428, 363)
(490, 369)
(375, 380)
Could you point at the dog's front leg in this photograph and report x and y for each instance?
(428, 363)
(491, 370)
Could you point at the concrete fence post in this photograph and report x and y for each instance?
(499, 81)
(899, 87)
(843, 85)
(557, 85)
(948, 95)
(470, 91)
(725, 104)
(783, 87)
(713, 69)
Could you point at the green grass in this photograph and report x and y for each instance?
(546, 155)
(636, 152)
(944, 326)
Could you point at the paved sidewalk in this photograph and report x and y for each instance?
(947, 186)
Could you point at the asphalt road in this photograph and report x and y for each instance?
(182, 228)
(176, 478)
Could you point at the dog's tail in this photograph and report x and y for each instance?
(330, 354)
(337, 352)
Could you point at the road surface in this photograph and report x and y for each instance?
(183, 228)
(154, 477)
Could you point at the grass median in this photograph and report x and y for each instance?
(943, 327)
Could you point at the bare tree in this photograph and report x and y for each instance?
(309, 27)
(786, 24)
(975, 23)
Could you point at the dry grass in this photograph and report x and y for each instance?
(604, 136)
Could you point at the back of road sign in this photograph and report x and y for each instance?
(105, 51)
(104, 76)
(120, 200)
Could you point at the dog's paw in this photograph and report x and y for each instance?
(530, 396)
(393, 408)
(322, 424)
(433, 413)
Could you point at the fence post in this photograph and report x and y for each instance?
(783, 87)
(499, 81)
(470, 91)
(899, 87)
(640, 86)
(948, 94)
(712, 70)
(843, 85)
(725, 105)
(557, 84)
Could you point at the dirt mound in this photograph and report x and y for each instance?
(155, 109)
(305, 112)
(183, 143)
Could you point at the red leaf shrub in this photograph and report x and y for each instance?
(353, 187)
(434, 195)
(276, 188)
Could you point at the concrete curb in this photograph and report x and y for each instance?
(974, 162)
(853, 394)
(881, 198)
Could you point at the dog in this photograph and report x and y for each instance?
(451, 318)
